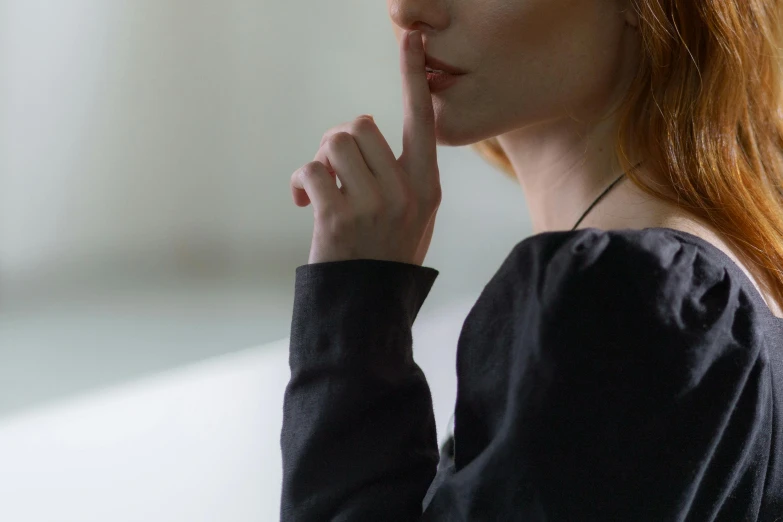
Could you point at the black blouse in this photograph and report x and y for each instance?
(612, 375)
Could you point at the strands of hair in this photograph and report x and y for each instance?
(706, 110)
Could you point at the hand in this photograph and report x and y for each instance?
(385, 208)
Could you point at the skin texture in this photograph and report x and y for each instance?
(544, 77)
(385, 207)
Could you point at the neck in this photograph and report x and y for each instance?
(563, 166)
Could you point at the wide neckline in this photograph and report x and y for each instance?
(727, 262)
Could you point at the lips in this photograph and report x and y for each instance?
(433, 64)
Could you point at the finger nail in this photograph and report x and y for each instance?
(369, 116)
(415, 40)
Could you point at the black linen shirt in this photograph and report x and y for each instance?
(620, 375)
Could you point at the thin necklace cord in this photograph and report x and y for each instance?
(604, 193)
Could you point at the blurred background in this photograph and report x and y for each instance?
(148, 243)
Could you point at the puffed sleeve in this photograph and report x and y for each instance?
(656, 376)
(358, 438)
(632, 386)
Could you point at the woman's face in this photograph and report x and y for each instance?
(527, 61)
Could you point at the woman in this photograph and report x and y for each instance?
(625, 363)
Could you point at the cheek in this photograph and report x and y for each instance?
(542, 56)
(520, 30)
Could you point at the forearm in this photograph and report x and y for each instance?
(358, 435)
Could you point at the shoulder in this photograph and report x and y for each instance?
(655, 261)
(617, 285)
(628, 305)
(626, 350)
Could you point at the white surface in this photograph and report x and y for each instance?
(146, 149)
(146, 224)
(200, 443)
(166, 132)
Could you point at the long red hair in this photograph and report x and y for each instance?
(705, 109)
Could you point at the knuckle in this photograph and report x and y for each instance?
(362, 126)
(326, 136)
(339, 140)
(431, 198)
(437, 196)
(313, 169)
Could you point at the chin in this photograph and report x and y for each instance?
(457, 135)
(456, 128)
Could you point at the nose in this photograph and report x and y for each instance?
(424, 15)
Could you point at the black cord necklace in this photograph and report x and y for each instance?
(448, 446)
(602, 195)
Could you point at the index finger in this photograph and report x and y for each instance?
(418, 132)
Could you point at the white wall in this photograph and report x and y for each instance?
(171, 128)
(166, 131)
(146, 224)
(146, 148)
